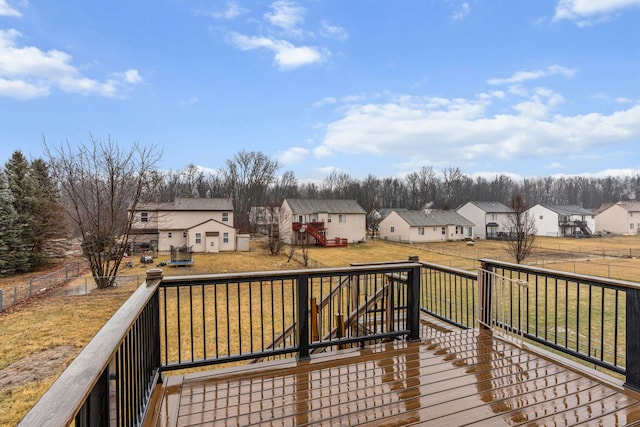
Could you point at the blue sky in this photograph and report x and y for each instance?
(526, 88)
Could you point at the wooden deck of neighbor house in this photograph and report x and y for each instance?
(464, 377)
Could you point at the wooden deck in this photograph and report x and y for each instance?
(447, 379)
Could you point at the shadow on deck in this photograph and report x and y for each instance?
(448, 378)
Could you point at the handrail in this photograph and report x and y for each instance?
(80, 378)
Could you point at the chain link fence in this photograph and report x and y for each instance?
(38, 285)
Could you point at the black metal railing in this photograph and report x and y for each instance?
(589, 318)
(225, 318)
(192, 321)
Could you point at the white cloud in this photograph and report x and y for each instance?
(286, 15)
(286, 55)
(464, 131)
(462, 11)
(523, 76)
(293, 155)
(7, 10)
(333, 31)
(232, 11)
(587, 12)
(28, 72)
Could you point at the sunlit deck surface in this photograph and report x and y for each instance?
(449, 378)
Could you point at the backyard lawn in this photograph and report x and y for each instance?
(39, 338)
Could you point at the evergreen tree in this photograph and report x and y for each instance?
(24, 191)
(49, 213)
(13, 255)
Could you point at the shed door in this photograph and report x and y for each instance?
(212, 242)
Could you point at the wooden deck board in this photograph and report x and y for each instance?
(462, 378)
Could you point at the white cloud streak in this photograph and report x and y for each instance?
(444, 131)
(28, 72)
(7, 10)
(286, 55)
(232, 11)
(588, 12)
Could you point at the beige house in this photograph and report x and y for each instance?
(327, 222)
(432, 225)
(203, 225)
(619, 218)
(491, 219)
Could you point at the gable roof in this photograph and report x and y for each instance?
(433, 217)
(189, 204)
(213, 221)
(491, 207)
(568, 209)
(337, 206)
(628, 206)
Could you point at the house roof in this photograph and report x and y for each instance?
(384, 212)
(628, 206)
(433, 217)
(337, 206)
(189, 204)
(568, 209)
(491, 207)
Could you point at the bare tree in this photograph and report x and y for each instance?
(248, 175)
(522, 229)
(100, 185)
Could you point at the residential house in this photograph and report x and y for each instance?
(619, 218)
(203, 225)
(561, 220)
(431, 225)
(328, 222)
(263, 219)
(490, 219)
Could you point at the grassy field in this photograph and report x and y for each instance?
(41, 337)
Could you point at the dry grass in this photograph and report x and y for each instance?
(49, 322)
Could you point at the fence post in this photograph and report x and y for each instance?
(0, 299)
(633, 344)
(484, 296)
(413, 303)
(30, 287)
(303, 317)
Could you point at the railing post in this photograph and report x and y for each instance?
(413, 303)
(303, 317)
(633, 343)
(484, 296)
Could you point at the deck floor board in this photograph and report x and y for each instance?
(449, 378)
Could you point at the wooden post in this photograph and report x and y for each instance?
(633, 339)
(303, 317)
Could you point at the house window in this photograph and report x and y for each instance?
(435, 229)
(329, 218)
(494, 217)
(225, 237)
(342, 219)
(198, 238)
(301, 219)
(393, 229)
(184, 234)
(541, 217)
(169, 234)
(631, 226)
(144, 216)
(444, 230)
(421, 231)
(225, 216)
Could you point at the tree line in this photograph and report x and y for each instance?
(89, 189)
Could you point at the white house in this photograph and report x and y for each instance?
(490, 219)
(324, 221)
(432, 225)
(619, 218)
(560, 220)
(203, 225)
